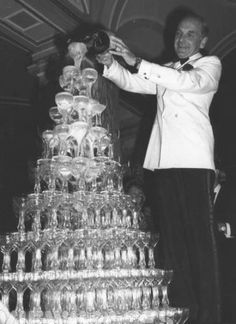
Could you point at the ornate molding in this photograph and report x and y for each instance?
(82, 5)
(225, 46)
(15, 101)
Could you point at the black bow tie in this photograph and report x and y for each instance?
(187, 67)
(183, 60)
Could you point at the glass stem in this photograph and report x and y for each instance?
(64, 185)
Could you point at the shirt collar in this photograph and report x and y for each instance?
(194, 57)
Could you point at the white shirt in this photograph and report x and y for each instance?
(182, 135)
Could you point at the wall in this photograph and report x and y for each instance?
(16, 128)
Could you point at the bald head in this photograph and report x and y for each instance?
(191, 36)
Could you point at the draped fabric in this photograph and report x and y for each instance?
(187, 234)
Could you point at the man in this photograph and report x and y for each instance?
(180, 153)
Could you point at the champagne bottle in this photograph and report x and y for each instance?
(98, 42)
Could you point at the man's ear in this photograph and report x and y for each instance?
(203, 42)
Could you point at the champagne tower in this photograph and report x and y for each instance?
(79, 255)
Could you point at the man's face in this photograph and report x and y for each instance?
(188, 38)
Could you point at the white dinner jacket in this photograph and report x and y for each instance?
(182, 135)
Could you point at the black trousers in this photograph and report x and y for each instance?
(184, 207)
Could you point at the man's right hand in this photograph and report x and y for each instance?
(105, 59)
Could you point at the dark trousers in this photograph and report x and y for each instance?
(187, 240)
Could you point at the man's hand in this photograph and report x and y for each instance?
(105, 58)
(222, 227)
(118, 47)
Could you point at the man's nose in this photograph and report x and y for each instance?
(182, 38)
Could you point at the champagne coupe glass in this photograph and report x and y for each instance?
(95, 134)
(55, 115)
(79, 167)
(62, 132)
(89, 77)
(92, 172)
(64, 102)
(70, 75)
(5, 290)
(78, 130)
(62, 164)
(49, 202)
(47, 135)
(6, 262)
(86, 149)
(21, 219)
(44, 174)
(33, 212)
(95, 109)
(166, 281)
(81, 106)
(65, 78)
(19, 311)
(77, 51)
(112, 176)
(104, 144)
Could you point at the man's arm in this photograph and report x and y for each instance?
(128, 81)
(123, 78)
(204, 76)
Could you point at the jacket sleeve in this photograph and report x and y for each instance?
(128, 81)
(204, 76)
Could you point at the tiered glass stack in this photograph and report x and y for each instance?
(79, 255)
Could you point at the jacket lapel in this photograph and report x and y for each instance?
(176, 66)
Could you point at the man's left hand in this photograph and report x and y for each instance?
(119, 48)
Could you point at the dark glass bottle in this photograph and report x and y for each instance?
(98, 42)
